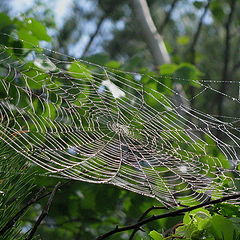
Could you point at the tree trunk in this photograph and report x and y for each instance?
(155, 43)
(152, 37)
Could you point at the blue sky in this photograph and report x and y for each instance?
(60, 10)
(59, 7)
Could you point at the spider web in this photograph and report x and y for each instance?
(86, 122)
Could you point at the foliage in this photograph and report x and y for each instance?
(15, 178)
(217, 223)
(84, 211)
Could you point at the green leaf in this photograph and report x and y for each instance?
(34, 78)
(99, 58)
(113, 64)
(79, 70)
(17, 48)
(224, 161)
(222, 228)
(155, 235)
(29, 41)
(37, 29)
(133, 62)
(4, 20)
(187, 219)
(200, 212)
(198, 4)
(183, 40)
(229, 210)
(168, 68)
(50, 111)
(217, 10)
(187, 71)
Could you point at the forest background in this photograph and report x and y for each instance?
(193, 40)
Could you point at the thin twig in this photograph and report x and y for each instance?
(227, 51)
(44, 212)
(92, 37)
(142, 217)
(167, 16)
(15, 218)
(165, 215)
(98, 27)
(172, 229)
(35, 199)
(49, 193)
(192, 48)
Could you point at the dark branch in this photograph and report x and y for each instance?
(192, 48)
(101, 20)
(172, 230)
(15, 218)
(142, 217)
(35, 199)
(92, 37)
(167, 16)
(226, 53)
(166, 215)
(44, 212)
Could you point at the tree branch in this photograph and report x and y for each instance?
(15, 218)
(44, 212)
(152, 37)
(167, 16)
(154, 41)
(101, 20)
(92, 37)
(226, 53)
(35, 199)
(192, 48)
(142, 217)
(166, 215)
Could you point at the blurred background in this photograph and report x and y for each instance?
(189, 39)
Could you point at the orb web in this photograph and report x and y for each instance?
(87, 122)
